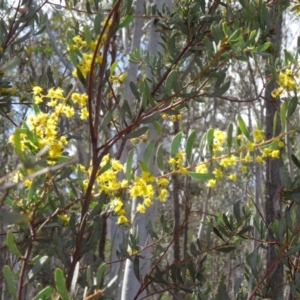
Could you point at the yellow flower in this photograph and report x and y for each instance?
(247, 158)
(64, 217)
(84, 114)
(267, 152)
(219, 136)
(275, 154)
(201, 169)
(244, 169)
(232, 177)
(250, 146)
(122, 220)
(172, 161)
(280, 144)
(211, 183)
(116, 165)
(147, 202)
(69, 111)
(162, 195)
(27, 182)
(218, 173)
(141, 208)
(37, 90)
(38, 99)
(257, 134)
(162, 181)
(259, 159)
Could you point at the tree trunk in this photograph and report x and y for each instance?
(273, 205)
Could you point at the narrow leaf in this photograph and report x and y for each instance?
(136, 133)
(175, 144)
(9, 278)
(292, 106)
(223, 89)
(244, 128)
(44, 293)
(229, 136)
(160, 158)
(148, 152)
(295, 161)
(60, 284)
(100, 273)
(189, 145)
(283, 109)
(10, 242)
(169, 82)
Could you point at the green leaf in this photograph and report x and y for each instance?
(223, 89)
(99, 273)
(13, 218)
(225, 28)
(292, 106)
(143, 166)
(60, 284)
(295, 161)
(235, 36)
(10, 64)
(153, 117)
(244, 128)
(157, 127)
(136, 133)
(202, 143)
(189, 145)
(104, 168)
(292, 251)
(226, 249)
(222, 293)
(252, 36)
(245, 229)
(44, 293)
(9, 278)
(134, 91)
(289, 58)
(126, 21)
(136, 268)
(283, 109)
(37, 267)
(229, 136)
(10, 242)
(169, 82)
(148, 153)
(160, 158)
(201, 176)
(217, 233)
(97, 23)
(106, 119)
(128, 167)
(210, 139)
(175, 144)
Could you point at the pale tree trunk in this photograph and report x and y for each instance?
(273, 204)
(116, 233)
(131, 285)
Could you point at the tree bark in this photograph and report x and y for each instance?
(272, 204)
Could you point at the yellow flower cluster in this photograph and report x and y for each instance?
(286, 82)
(172, 118)
(87, 52)
(45, 125)
(225, 163)
(145, 186)
(177, 162)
